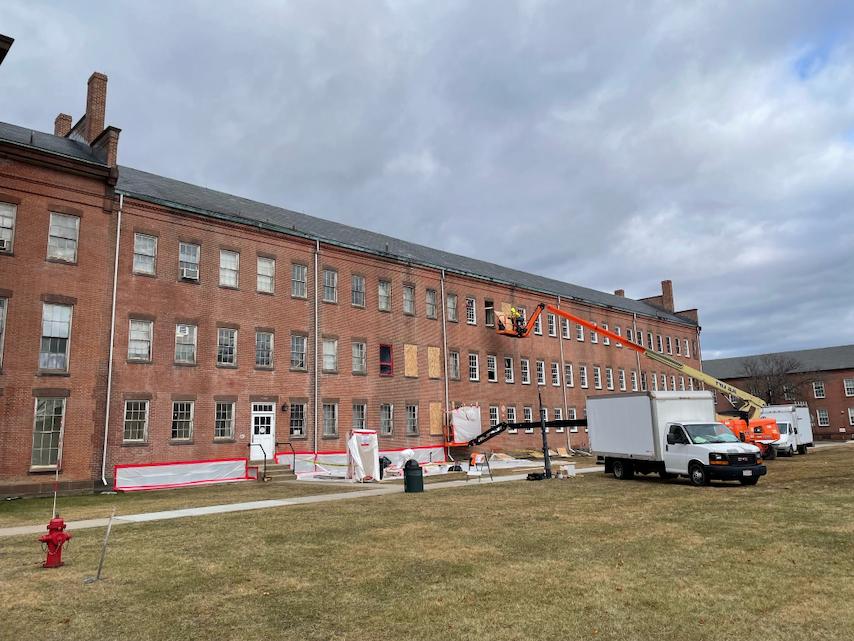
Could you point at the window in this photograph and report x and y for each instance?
(605, 338)
(47, 431)
(298, 344)
(564, 328)
(682, 383)
(412, 420)
(360, 357)
(7, 226)
(452, 307)
(409, 299)
(386, 419)
(669, 343)
(471, 312)
(226, 346)
(136, 421)
(139, 340)
(188, 261)
(297, 426)
(630, 335)
(558, 415)
(493, 415)
(330, 286)
(609, 378)
(229, 268)
(571, 415)
(511, 418)
(263, 349)
(594, 336)
(357, 290)
(330, 419)
(454, 365)
(182, 420)
(299, 281)
(649, 340)
(621, 379)
(582, 375)
(360, 411)
(144, 254)
(489, 313)
(643, 381)
(568, 376)
(639, 337)
(678, 346)
(664, 382)
(556, 374)
(579, 333)
(527, 417)
(62, 237)
(224, 420)
(538, 325)
(818, 389)
(541, 372)
(685, 349)
(384, 295)
(185, 344)
(823, 418)
(330, 354)
(848, 383)
(673, 383)
(56, 334)
(474, 373)
(544, 415)
(659, 343)
(525, 368)
(508, 369)
(265, 274)
(597, 378)
(618, 332)
(386, 361)
(3, 303)
(691, 384)
(430, 303)
(634, 376)
(552, 325)
(491, 368)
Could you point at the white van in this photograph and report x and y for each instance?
(669, 433)
(795, 428)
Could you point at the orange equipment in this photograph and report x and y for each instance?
(761, 432)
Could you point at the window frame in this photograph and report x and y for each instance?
(555, 374)
(296, 341)
(51, 235)
(136, 270)
(568, 375)
(299, 280)
(333, 406)
(430, 303)
(147, 406)
(509, 374)
(491, 368)
(218, 420)
(488, 313)
(267, 260)
(187, 264)
(67, 354)
(327, 357)
(13, 217)
(329, 274)
(474, 367)
(411, 419)
(150, 340)
(386, 419)
(816, 386)
(272, 335)
(452, 306)
(60, 432)
(190, 420)
(358, 287)
(409, 299)
(822, 412)
(223, 347)
(296, 419)
(386, 365)
(229, 271)
(525, 371)
(540, 372)
(195, 344)
(471, 310)
(454, 365)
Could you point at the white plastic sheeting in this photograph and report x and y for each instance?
(465, 424)
(363, 456)
(157, 476)
(334, 464)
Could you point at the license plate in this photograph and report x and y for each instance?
(747, 473)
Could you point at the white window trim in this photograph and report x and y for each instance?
(144, 438)
(58, 463)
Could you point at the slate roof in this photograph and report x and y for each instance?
(50, 143)
(199, 200)
(811, 360)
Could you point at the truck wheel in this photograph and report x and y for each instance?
(697, 474)
(791, 450)
(623, 470)
(802, 449)
(771, 453)
(749, 480)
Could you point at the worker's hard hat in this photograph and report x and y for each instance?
(513, 310)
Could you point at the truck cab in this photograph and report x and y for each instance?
(709, 450)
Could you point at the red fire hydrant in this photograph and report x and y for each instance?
(55, 538)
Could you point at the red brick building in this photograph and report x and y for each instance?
(823, 380)
(178, 320)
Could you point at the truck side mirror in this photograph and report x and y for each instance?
(671, 438)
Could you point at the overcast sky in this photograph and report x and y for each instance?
(609, 144)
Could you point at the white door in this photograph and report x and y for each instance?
(677, 454)
(263, 431)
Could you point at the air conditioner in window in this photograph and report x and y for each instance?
(182, 330)
(189, 273)
(4, 245)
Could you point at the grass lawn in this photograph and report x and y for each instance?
(76, 508)
(588, 558)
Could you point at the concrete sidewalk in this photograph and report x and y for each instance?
(263, 505)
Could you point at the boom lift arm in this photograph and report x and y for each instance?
(750, 405)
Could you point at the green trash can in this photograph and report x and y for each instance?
(413, 477)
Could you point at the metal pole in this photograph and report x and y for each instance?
(547, 462)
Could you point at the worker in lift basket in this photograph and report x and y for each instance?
(516, 318)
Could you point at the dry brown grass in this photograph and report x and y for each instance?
(587, 558)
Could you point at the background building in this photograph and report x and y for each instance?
(823, 379)
(181, 323)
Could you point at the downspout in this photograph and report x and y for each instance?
(444, 355)
(112, 340)
(316, 329)
(563, 367)
(637, 354)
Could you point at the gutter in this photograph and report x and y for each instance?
(112, 342)
(316, 329)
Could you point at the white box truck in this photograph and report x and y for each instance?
(669, 433)
(795, 425)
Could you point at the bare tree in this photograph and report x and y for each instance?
(775, 378)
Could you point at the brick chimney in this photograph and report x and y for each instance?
(62, 125)
(667, 295)
(96, 106)
(620, 292)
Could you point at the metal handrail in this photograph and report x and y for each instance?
(264, 452)
(293, 454)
